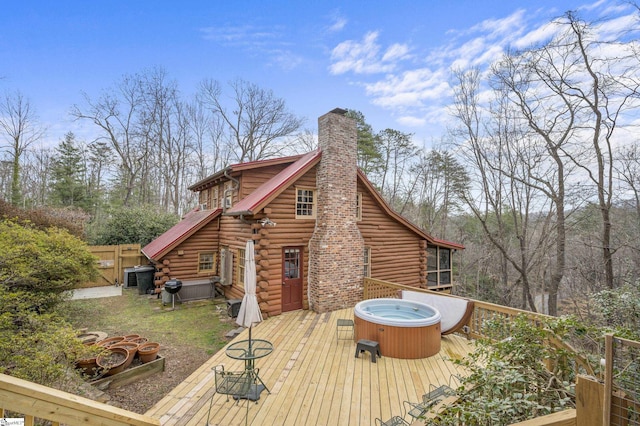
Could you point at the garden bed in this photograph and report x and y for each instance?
(130, 375)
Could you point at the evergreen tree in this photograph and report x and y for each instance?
(369, 155)
(68, 173)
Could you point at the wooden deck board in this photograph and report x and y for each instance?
(314, 379)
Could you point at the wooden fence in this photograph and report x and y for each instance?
(112, 260)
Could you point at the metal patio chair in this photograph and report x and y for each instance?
(232, 382)
(393, 421)
(429, 399)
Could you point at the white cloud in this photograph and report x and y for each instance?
(338, 22)
(538, 35)
(286, 59)
(239, 34)
(364, 57)
(416, 88)
(269, 43)
(396, 51)
(410, 89)
(410, 121)
(499, 28)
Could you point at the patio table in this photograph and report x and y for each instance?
(249, 351)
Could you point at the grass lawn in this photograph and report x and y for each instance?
(197, 323)
(188, 335)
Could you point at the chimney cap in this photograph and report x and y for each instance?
(339, 111)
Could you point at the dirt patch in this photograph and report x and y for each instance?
(188, 337)
(141, 395)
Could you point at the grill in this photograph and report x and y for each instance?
(173, 287)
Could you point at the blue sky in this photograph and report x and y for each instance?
(388, 59)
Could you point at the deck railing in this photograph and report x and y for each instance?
(20, 398)
(619, 383)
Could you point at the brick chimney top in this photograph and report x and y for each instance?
(338, 111)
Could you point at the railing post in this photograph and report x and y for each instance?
(608, 379)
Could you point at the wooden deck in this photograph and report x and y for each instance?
(314, 379)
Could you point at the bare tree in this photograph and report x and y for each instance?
(570, 91)
(206, 130)
(505, 198)
(20, 129)
(256, 122)
(398, 153)
(606, 88)
(116, 114)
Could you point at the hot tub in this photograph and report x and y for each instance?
(404, 328)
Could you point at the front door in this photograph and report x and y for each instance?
(291, 278)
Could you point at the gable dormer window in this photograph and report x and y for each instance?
(305, 203)
(214, 197)
(203, 200)
(227, 196)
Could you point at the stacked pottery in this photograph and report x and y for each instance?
(113, 362)
(130, 337)
(139, 340)
(110, 341)
(131, 347)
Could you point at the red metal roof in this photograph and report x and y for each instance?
(235, 168)
(190, 223)
(266, 192)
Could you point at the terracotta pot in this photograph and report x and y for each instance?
(139, 340)
(110, 341)
(113, 362)
(148, 352)
(88, 338)
(88, 367)
(130, 337)
(129, 346)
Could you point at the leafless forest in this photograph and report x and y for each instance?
(538, 175)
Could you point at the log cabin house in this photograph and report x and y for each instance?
(318, 225)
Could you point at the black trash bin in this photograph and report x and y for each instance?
(144, 277)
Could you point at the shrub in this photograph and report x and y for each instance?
(36, 268)
(507, 380)
(136, 225)
(71, 219)
(42, 261)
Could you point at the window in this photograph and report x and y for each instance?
(359, 206)
(305, 204)
(202, 199)
(214, 198)
(227, 200)
(367, 262)
(438, 267)
(291, 267)
(206, 262)
(240, 273)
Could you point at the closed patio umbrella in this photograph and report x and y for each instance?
(249, 312)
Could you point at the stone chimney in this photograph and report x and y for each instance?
(336, 248)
